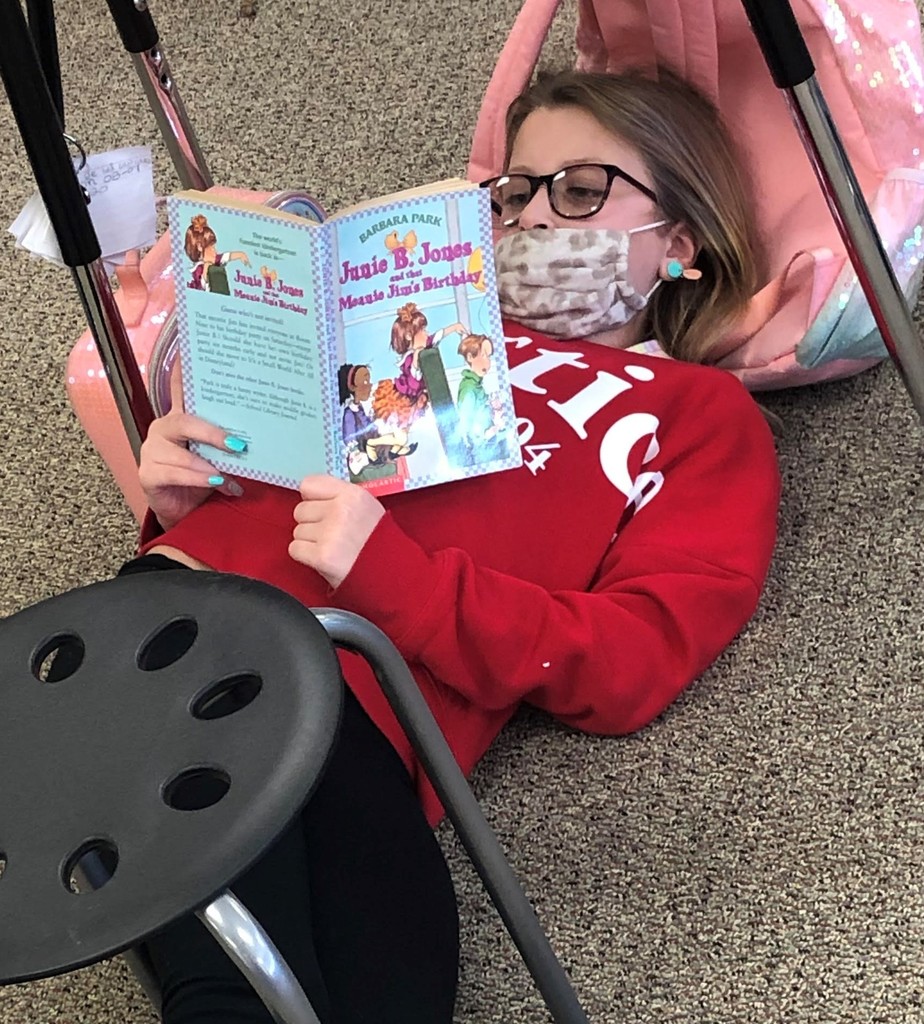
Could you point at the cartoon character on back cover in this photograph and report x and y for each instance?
(208, 274)
(403, 400)
(364, 443)
(480, 415)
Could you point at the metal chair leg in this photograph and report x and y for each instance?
(240, 935)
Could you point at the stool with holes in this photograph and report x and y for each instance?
(158, 732)
(136, 787)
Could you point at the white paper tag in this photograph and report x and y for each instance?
(120, 184)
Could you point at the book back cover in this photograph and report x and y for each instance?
(254, 349)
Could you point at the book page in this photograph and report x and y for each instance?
(254, 353)
(420, 351)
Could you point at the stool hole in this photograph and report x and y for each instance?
(196, 788)
(58, 658)
(226, 696)
(90, 866)
(167, 644)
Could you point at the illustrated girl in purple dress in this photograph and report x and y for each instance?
(363, 442)
(402, 400)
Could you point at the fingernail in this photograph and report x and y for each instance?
(216, 481)
(235, 444)
(235, 489)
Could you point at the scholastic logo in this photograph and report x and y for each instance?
(618, 441)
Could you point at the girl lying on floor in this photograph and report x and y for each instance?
(595, 582)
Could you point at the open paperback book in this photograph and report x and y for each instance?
(368, 346)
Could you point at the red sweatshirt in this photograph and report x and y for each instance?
(595, 582)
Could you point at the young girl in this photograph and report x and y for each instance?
(604, 576)
(364, 443)
(200, 245)
(403, 400)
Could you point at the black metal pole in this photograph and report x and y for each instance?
(135, 24)
(793, 71)
(778, 34)
(45, 39)
(42, 135)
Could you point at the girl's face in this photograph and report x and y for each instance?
(362, 384)
(552, 138)
(419, 340)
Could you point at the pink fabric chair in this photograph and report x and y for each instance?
(810, 320)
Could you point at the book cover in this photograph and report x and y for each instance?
(368, 347)
(422, 370)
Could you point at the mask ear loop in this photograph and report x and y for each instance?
(649, 227)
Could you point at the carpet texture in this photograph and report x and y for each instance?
(755, 854)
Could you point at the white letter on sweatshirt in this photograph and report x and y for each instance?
(578, 410)
(524, 376)
(617, 443)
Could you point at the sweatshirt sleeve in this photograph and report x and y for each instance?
(150, 530)
(680, 580)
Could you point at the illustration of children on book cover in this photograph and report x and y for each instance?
(208, 272)
(423, 381)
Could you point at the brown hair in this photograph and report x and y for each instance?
(199, 236)
(695, 170)
(409, 321)
(470, 346)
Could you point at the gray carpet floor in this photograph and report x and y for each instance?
(755, 854)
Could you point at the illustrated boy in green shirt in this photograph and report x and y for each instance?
(475, 407)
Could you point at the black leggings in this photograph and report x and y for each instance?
(356, 895)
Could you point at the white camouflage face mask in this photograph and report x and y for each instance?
(568, 282)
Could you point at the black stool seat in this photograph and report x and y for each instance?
(139, 786)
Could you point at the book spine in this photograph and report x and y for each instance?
(330, 338)
(175, 228)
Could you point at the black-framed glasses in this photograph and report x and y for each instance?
(575, 192)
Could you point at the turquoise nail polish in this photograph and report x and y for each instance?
(236, 444)
(216, 481)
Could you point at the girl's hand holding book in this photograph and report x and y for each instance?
(175, 480)
(334, 521)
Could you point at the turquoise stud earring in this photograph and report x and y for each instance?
(674, 269)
